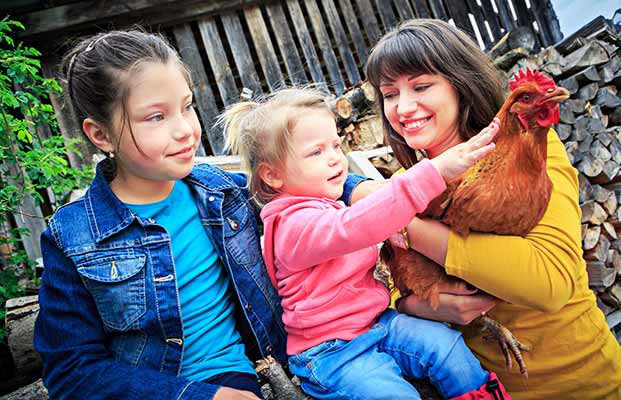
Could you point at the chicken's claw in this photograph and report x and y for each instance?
(508, 343)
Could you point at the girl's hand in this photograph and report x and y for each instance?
(227, 393)
(456, 160)
(458, 304)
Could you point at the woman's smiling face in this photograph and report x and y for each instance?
(424, 110)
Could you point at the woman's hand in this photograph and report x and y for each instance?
(227, 393)
(459, 304)
(456, 160)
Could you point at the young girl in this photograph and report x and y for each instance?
(320, 255)
(429, 72)
(154, 285)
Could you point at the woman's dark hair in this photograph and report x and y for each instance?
(97, 71)
(429, 46)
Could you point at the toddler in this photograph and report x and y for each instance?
(343, 342)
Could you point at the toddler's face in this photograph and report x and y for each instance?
(316, 165)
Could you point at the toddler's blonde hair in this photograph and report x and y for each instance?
(260, 131)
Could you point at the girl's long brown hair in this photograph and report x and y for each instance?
(429, 46)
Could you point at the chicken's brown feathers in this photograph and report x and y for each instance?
(414, 273)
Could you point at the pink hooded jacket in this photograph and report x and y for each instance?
(320, 255)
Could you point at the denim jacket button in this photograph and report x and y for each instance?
(211, 198)
(248, 307)
(269, 349)
(234, 224)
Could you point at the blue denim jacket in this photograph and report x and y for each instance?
(110, 322)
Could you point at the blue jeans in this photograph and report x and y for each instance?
(375, 364)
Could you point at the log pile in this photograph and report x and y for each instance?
(361, 128)
(24, 363)
(588, 64)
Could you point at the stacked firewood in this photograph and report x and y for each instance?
(361, 128)
(588, 64)
(356, 118)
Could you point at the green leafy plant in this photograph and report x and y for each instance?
(29, 164)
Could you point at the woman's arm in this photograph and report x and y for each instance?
(429, 237)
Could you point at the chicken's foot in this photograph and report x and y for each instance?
(508, 343)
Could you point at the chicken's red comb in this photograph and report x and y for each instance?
(540, 79)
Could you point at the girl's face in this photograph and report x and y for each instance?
(424, 110)
(315, 165)
(165, 127)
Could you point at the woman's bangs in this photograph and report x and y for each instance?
(395, 58)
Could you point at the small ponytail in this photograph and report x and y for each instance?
(233, 122)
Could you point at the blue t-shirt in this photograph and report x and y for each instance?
(212, 344)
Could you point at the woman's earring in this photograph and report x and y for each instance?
(111, 155)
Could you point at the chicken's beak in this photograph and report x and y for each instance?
(557, 95)
(550, 110)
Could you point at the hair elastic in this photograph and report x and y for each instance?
(88, 48)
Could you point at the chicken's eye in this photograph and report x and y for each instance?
(525, 98)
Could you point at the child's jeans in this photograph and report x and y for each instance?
(373, 365)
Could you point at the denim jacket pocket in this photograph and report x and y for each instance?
(118, 286)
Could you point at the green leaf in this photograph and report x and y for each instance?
(17, 24)
(30, 164)
(24, 136)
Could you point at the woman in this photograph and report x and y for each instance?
(436, 89)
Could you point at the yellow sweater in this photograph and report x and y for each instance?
(543, 279)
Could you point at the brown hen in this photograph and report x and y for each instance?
(505, 193)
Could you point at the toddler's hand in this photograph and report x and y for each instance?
(456, 160)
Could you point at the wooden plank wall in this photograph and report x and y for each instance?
(277, 42)
(264, 47)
